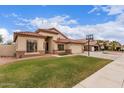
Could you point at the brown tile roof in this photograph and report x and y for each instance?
(69, 41)
(31, 34)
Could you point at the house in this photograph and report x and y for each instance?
(109, 45)
(45, 41)
(93, 46)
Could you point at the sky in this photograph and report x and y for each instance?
(104, 22)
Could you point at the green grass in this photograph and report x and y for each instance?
(49, 72)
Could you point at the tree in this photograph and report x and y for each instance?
(114, 45)
(1, 39)
(102, 44)
(106, 43)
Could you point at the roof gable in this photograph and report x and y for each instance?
(59, 32)
(51, 30)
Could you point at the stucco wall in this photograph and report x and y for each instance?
(61, 36)
(21, 43)
(91, 48)
(7, 50)
(54, 36)
(53, 45)
(76, 48)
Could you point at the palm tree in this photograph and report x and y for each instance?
(105, 45)
(114, 45)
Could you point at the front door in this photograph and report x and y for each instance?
(47, 47)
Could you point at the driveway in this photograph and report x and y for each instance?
(109, 55)
(110, 76)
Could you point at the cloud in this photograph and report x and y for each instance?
(110, 10)
(98, 14)
(5, 35)
(52, 22)
(114, 9)
(94, 9)
(14, 15)
(10, 15)
(17, 30)
(40, 23)
(72, 22)
(20, 24)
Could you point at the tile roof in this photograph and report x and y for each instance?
(47, 31)
(32, 34)
(69, 41)
(92, 43)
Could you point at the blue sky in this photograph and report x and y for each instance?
(105, 22)
(79, 13)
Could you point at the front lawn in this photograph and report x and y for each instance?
(49, 72)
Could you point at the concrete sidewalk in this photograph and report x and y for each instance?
(110, 76)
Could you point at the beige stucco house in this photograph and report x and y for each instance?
(45, 41)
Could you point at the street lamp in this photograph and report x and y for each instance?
(89, 37)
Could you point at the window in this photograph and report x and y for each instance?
(31, 46)
(60, 47)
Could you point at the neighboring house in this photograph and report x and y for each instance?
(112, 45)
(93, 46)
(109, 45)
(118, 47)
(45, 41)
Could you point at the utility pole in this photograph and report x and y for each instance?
(89, 37)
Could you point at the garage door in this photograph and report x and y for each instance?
(76, 48)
